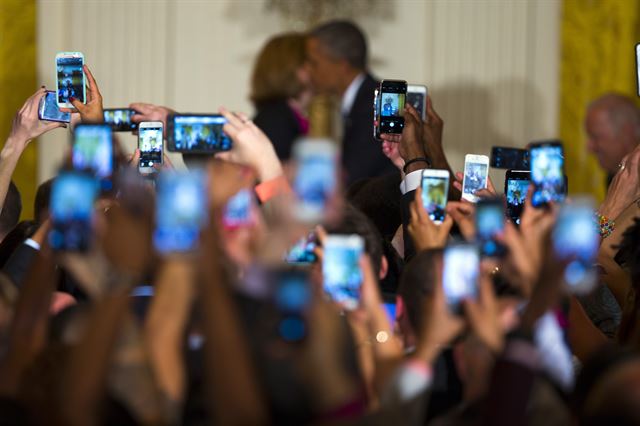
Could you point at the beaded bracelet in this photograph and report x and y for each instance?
(606, 225)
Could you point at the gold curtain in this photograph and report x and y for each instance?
(598, 56)
(17, 83)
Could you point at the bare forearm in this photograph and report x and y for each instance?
(9, 157)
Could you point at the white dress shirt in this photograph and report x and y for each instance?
(350, 94)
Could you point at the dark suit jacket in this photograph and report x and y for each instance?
(278, 121)
(362, 155)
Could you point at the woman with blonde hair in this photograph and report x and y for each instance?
(280, 91)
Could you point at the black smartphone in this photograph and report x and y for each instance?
(393, 94)
(547, 172)
(49, 110)
(509, 158)
(516, 186)
(490, 223)
(197, 133)
(120, 119)
(291, 296)
(73, 195)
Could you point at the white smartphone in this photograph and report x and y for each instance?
(315, 179)
(476, 175)
(435, 192)
(150, 145)
(417, 98)
(70, 78)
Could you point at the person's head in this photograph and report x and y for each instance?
(336, 54)
(613, 129)
(416, 284)
(279, 72)
(11, 210)
(42, 201)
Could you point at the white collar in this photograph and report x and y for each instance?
(349, 96)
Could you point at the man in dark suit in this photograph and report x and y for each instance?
(337, 60)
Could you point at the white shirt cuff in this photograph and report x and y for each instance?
(31, 243)
(411, 181)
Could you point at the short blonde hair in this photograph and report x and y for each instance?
(274, 75)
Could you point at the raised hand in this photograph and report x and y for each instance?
(426, 233)
(150, 112)
(92, 111)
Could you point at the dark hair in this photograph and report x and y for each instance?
(42, 200)
(11, 210)
(416, 283)
(355, 222)
(344, 40)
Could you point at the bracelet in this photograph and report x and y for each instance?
(606, 225)
(416, 160)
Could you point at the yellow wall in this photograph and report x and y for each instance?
(598, 56)
(17, 83)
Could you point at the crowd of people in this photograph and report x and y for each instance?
(121, 334)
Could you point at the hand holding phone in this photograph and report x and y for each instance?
(476, 176)
(48, 109)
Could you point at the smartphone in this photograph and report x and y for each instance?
(435, 192)
(181, 211)
(392, 98)
(460, 274)
(576, 238)
(638, 65)
(516, 186)
(48, 109)
(417, 98)
(239, 210)
(93, 151)
(315, 178)
(376, 114)
(341, 269)
(150, 138)
(476, 175)
(490, 217)
(547, 173)
(73, 195)
(292, 296)
(120, 119)
(509, 158)
(303, 252)
(70, 78)
(197, 133)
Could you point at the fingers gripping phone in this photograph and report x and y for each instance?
(150, 142)
(476, 175)
(435, 192)
(73, 195)
(392, 99)
(70, 78)
(516, 186)
(341, 269)
(460, 274)
(48, 109)
(489, 224)
(547, 173)
(417, 98)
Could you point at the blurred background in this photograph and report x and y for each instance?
(500, 72)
